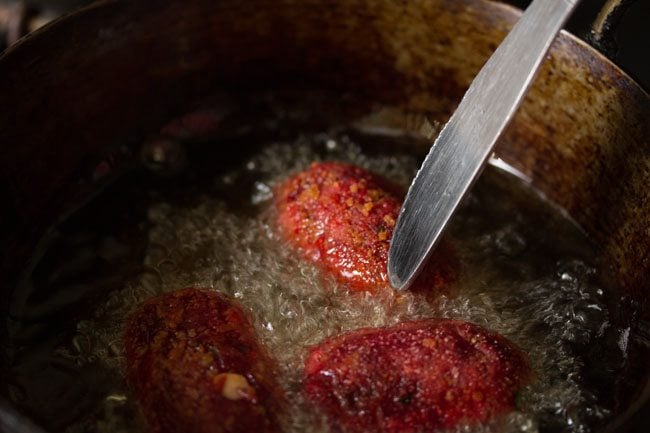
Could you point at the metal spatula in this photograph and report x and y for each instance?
(465, 143)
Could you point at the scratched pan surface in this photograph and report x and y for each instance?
(108, 76)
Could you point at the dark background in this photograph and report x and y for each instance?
(631, 36)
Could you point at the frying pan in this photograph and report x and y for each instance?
(106, 77)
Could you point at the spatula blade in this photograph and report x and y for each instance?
(465, 143)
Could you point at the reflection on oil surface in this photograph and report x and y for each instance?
(526, 272)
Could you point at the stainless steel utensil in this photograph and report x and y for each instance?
(465, 143)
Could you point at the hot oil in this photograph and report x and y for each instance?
(527, 272)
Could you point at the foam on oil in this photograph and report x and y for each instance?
(538, 293)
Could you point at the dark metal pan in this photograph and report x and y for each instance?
(112, 73)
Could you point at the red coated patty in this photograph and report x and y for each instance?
(195, 366)
(414, 377)
(342, 217)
